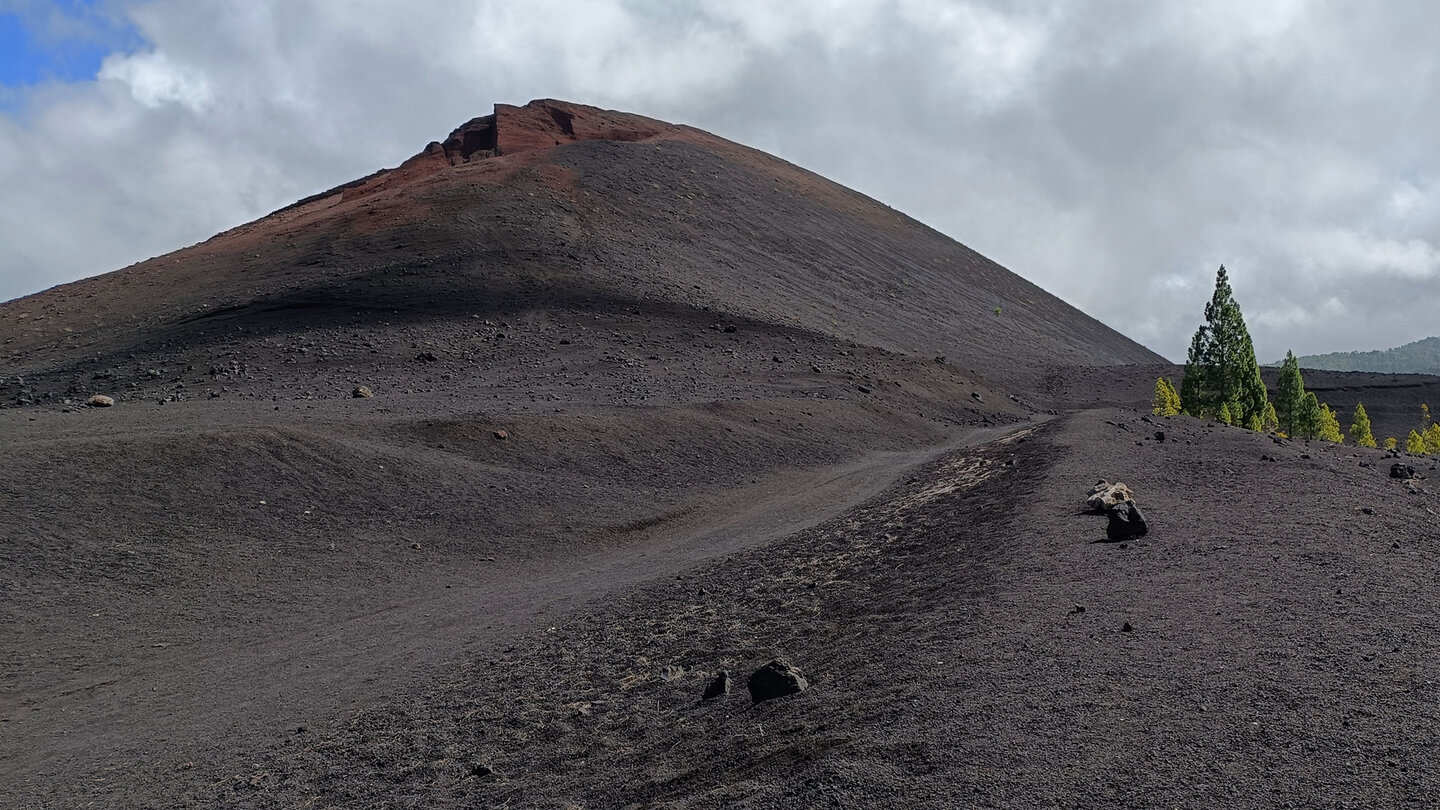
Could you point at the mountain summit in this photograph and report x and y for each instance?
(559, 208)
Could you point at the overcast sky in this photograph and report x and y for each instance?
(1113, 152)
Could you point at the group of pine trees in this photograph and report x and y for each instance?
(1222, 382)
(1424, 440)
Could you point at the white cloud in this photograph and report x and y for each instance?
(154, 79)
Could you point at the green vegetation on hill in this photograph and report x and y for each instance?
(1420, 357)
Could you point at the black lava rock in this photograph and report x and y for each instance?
(776, 679)
(1126, 522)
(718, 688)
(1399, 470)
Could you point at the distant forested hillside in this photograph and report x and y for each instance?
(1420, 357)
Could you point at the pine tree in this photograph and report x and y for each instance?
(1220, 368)
(1415, 443)
(1432, 438)
(1255, 423)
(1424, 417)
(1328, 426)
(1195, 382)
(1167, 402)
(1360, 427)
(1225, 416)
(1391, 443)
(1307, 424)
(1290, 394)
(1269, 422)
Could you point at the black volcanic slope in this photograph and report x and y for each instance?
(648, 405)
(635, 218)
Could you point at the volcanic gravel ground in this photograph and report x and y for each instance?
(1280, 653)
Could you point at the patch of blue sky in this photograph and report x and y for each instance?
(45, 41)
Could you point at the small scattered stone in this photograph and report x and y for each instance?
(730, 329)
(776, 679)
(864, 389)
(1160, 436)
(1127, 628)
(362, 392)
(426, 357)
(481, 769)
(99, 401)
(502, 435)
(1079, 608)
(718, 687)
(1367, 510)
(975, 395)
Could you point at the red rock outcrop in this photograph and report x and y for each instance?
(540, 125)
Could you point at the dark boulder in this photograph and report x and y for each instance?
(718, 688)
(1126, 522)
(1398, 470)
(776, 679)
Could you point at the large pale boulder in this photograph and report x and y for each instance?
(1104, 495)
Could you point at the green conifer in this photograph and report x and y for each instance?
(1290, 395)
(1194, 383)
(1220, 368)
(1225, 416)
(1360, 427)
(1415, 443)
(1432, 438)
(1391, 443)
(1269, 422)
(1307, 424)
(1167, 402)
(1328, 426)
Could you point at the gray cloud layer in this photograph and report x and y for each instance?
(1114, 152)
